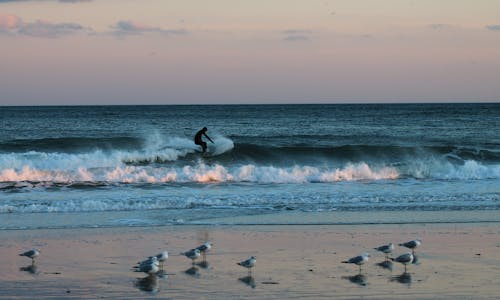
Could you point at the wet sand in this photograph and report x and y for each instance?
(456, 261)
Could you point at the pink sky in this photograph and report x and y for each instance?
(235, 51)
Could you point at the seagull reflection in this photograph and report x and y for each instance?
(204, 264)
(404, 278)
(359, 279)
(32, 269)
(193, 271)
(248, 280)
(149, 284)
(385, 265)
(162, 274)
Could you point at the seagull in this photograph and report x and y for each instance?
(386, 249)
(405, 259)
(150, 269)
(33, 253)
(249, 263)
(192, 254)
(149, 261)
(412, 245)
(162, 257)
(204, 249)
(358, 260)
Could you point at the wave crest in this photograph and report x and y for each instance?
(202, 173)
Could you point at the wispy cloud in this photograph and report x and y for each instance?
(439, 26)
(9, 22)
(124, 28)
(495, 27)
(51, 30)
(12, 24)
(296, 35)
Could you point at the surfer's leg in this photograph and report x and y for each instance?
(204, 146)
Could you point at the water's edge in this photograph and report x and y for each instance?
(230, 218)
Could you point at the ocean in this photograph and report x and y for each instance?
(105, 166)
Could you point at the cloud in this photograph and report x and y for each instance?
(8, 22)
(439, 26)
(12, 24)
(50, 30)
(296, 35)
(124, 28)
(494, 27)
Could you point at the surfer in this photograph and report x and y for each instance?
(199, 141)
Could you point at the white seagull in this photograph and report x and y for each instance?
(386, 249)
(192, 254)
(249, 264)
(404, 259)
(33, 253)
(150, 260)
(358, 260)
(412, 245)
(150, 269)
(162, 257)
(204, 249)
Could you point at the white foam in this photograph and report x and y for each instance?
(222, 145)
(200, 173)
(439, 169)
(115, 167)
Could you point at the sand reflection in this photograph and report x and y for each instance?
(359, 279)
(149, 284)
(193, 272)
(248, 280)
(32, 269)
(387, 264)
(404, 278)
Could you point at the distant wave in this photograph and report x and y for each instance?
(387, 153)
(70, 144)
(156, 148)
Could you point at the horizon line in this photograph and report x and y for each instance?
(251, 104)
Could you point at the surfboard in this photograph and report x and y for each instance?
(210, 150)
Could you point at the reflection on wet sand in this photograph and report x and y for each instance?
(388, 265)
(193, 271)
(404, 278)
(149, 283)
(32, 269)
(359, 279)
(162, 274)
(204, 264)
(248, 280)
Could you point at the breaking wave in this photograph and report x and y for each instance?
(176, 160)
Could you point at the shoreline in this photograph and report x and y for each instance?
(456, 261)
(228, 217)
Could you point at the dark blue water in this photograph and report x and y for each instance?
(276, 157)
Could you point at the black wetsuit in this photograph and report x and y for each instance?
(199, 141)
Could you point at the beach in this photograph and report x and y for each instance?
(455, 261)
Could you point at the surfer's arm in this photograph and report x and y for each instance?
(208, 138)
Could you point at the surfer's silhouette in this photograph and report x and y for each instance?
(199, 141)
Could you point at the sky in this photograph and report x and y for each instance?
(85, 52)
